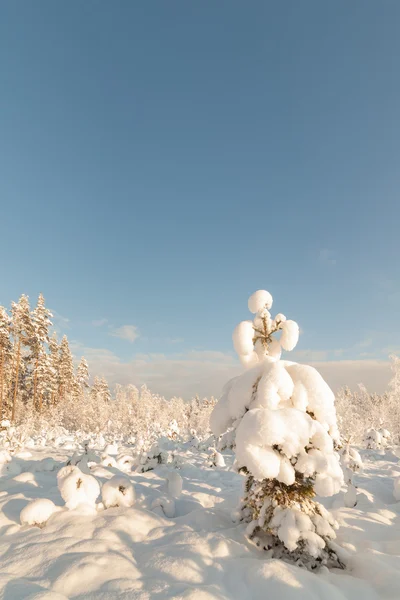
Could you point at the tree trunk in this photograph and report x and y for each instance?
(16, 380)
(40, 402)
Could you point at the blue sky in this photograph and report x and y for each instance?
(162, 160)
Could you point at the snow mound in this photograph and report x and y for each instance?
(118, 491)
(175, 484)
(37, 512)
(76, 487)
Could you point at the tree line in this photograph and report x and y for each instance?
(36, 369)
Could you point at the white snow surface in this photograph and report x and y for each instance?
(196, 551)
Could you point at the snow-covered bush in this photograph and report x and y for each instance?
(37, 512)
(159, 454)
(175, 483)
(285, 427)
(217, 460)
(386, 437)
(118, 491)
(373, 439)
(126, 462)
(351, 463)
(77, 487)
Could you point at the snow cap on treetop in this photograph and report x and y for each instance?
(259, 300)
(254, 341)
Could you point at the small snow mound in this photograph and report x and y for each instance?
(37, 512)
(5, 457)
(118, 491)
(175, 484)
(125, 463)
(76, 487)
(111, 449)
(9, 469)
(167, 506)
(108, 461)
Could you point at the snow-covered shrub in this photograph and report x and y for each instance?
(175, 483)
(111, 449)
(285, 427)
(118, 491)
(157, 455)
(216, 460)
(386, 437)
(108, 461)
(351, 463)
(373, 439)
(37, 512)
(77, 487)
(126, 462)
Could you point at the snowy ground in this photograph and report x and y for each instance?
(200, 554)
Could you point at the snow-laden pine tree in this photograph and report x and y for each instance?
(82, 374)
(5, 354)
(41, 324)
(66, 369)
(54, 365)
(23, 335)
(283, 419)
(104, 390)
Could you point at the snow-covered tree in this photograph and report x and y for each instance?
(104, 390)
(41, 324)
(82, 374)
(66, 369)
(5, 353)
(54, 369)
(23, 334)
(284, 423)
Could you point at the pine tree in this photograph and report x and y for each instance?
(284, 423)
(5, 353)
(104, 390)
(54, 369)
(82, 374)
(66, 369)
(23, 334)
(41, 324)
(95, 390)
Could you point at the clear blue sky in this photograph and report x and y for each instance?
(162, 160)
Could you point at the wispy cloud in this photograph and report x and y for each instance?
(205, 372)
(99, 322)
(126, 332)
(326, 257)
(60, 323)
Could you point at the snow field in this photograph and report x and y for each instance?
(196, 553)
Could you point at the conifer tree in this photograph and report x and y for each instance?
(95, 389)
(41, 324)
(54, 367)
(82, 374)
(283, 418)
(5, 353)
(104, 390)
(66, 369)
(23, 333)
